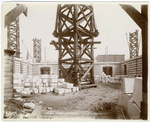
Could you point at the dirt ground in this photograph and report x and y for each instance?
(89, 99)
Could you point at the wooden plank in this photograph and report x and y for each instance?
(36, 112)
(88, 86)
(135, 15)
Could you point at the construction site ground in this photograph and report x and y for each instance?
(101, 99)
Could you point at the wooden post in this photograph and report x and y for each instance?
(75, 44)
(144, 12)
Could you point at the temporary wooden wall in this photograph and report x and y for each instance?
(8, 74)
(134, 67)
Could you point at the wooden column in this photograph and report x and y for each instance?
(75, 44)
(144, 12)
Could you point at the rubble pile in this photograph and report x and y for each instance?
(41, 84)
(19, 108)
(103, 78)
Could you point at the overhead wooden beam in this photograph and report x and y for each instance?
(87, 72)
(139, 19)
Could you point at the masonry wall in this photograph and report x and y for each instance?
(54, 68)
(98, 67)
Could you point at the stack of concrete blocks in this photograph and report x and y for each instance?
(44, 85)
(36, 81)
(53, 83)
(18, 82)
(134, 104)
(64, 87)
(27, 85)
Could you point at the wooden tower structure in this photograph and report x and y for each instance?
(75, 29)
(133, 44)
(37, 49)
(12, 23)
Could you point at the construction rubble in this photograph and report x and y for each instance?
(103, 78)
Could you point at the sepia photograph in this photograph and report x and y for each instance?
(74, 61)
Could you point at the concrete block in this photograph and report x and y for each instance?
(133, 111)
(128, 85)
(45, 80)
(18, 89)
(55, 90)
(67, 85)
(27, 79)
(27, 84)
(24, 92)
(60, 91)
(34, 80)
(53, 85)
(77, 89)
(17, 80)
(62, 80)
(51, 88)
(39, 80)
(59, 85)
(45, 76)
(67, 90)
(35, 90)
(137, 92)
(44, 90)
(18, 75)
(74, 89)
(47, 89)
(40, 84)
(54, 80)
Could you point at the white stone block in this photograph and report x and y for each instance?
(52, 76)
(27, 84)
(59, 84)
(53, 84)
(54, 80)
(34, 80)
(47, 89)
(35, 90)
(67, 90)
(45, 80)
(24, 92)
(77, 89)
(74, 89)
(60, 90)
(45, 76)
(62, 80)
(19, 89)
(67, 85)
(137, 92)
(51, 88)
(27, 79)
(128, 85)
(44, 90)
(17, 80)
(39, 80)
(40, 84)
